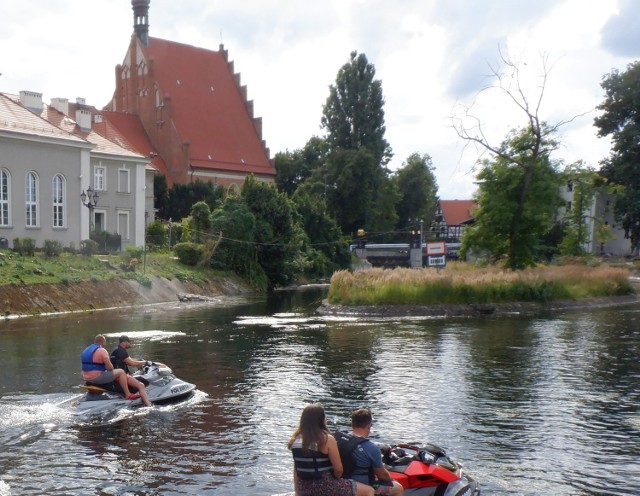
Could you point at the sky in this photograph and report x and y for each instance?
(433, 58)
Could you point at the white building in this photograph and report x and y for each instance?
(48, 158)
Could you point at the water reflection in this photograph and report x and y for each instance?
(545, 405)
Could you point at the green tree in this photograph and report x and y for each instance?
(417, 186)
(181, 197)
(353, 114)
(200, 222)
(279, 241)
(620, 119)
(235, 249)
(518, 199)
(293, 168)
(161, 196)
(522, 163)
(328, 250)
(355, 179)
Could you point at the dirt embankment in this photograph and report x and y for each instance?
(38, 299)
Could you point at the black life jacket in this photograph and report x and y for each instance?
(347, 443)
(309, 464)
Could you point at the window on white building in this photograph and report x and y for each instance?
(99, 179)
(31, 199)
(5, 198)
(123, 225)
(58, 200)
(123, 181)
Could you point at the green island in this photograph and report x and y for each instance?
(464, 284)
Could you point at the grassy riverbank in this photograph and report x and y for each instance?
(462, 283)
(68, 268)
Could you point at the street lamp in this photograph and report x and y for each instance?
(90, 200)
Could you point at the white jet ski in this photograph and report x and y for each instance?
(161, 384)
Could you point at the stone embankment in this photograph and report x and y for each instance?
(41, 299)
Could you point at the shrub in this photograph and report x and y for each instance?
(136, 252)
(156, 234)
(106, 241)
(188, 253)
(24, 246)
(88, 247)
(52, 248)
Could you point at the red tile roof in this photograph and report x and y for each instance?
(127, 130)
(208, 107)
(457, 212)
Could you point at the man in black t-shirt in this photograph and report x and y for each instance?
(120, 356)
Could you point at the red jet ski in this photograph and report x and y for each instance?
(426, 470)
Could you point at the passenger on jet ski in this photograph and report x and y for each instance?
(121, 359)
(98, 370)
(362, 459)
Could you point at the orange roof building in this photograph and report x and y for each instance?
(187, 105)
(452, 216)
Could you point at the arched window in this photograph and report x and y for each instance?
(59, 196)
(31, 199)
(5, 198)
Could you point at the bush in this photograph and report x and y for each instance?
(52, 248)
(156, 234)
(188, 253)
(136, 252)
(24, 246)
(88, 247)
(106, 241)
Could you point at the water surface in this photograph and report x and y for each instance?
(530, 405)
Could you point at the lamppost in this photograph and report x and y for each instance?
(90, 200)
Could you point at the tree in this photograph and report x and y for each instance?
(517, 161)
(293, 168)
(161, 196)
(356, 179)
(278, 239)
(327, 250)
(181, 197)
(353, 114)
(418, 188)
(236, 249)
(620, 119)
(505, 226)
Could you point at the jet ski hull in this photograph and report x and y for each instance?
(161, 384)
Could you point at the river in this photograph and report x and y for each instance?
(545, 405)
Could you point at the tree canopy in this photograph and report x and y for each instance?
(417, 186)
(518, 199)
(620, 119)
(353, 115)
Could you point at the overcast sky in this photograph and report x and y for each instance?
(430, 56)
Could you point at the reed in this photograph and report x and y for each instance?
(463, 284)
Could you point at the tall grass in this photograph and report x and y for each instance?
(462, 285)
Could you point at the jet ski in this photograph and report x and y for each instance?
(161, 384)
(426, 470)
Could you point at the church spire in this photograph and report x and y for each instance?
(141, 20)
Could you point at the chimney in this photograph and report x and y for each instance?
(61, 105)
(32, 101)
(141, 20)
(97, 118)
(83, 115)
